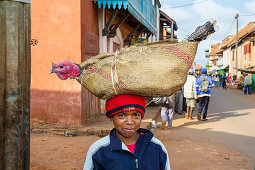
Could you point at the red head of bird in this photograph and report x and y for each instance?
(65, 69)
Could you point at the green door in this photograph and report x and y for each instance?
(253, 82)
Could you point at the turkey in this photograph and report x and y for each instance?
(202, 32)
(156, 69)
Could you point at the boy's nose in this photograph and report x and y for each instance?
(129, 120)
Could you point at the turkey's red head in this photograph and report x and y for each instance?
(65, 69)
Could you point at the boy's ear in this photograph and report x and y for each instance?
(111, 118)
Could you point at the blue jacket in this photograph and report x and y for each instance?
(199, 83)
(109, 153)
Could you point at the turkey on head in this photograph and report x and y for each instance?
(65, 69)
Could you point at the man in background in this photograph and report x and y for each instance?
(189, 91)
(247, 84)
(204, 84)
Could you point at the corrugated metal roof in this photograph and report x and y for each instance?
(169, 19)
(241, 34)
(226, 41)
(215, 49)
(247, 70)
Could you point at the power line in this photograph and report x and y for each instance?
(164, 2)
(180, 6)
(247, 15)
(229, 28)
(184, 30)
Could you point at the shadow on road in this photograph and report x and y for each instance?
(213, 118)
(230, 100)
(235, 142)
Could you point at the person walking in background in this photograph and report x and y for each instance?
(247, 84)
(234, 78)
(204, 84)
(179, 102)
(224, 81)
(241, 82)
(216, 81)
(189, 92)
(167, 111)
(230, 79)
(220, 80)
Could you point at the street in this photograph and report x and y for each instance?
(231, 121)
(230, 124)
(225, 141)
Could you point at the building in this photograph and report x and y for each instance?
(244, 59)
(245, 50)
(215, 56)
(75, 31)
(165, 22)
(62, 30)
(126, 22)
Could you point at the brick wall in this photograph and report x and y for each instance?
(125, 29)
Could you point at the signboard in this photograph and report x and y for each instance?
(138, 41)
(91, 43)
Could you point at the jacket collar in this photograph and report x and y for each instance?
(141, 143)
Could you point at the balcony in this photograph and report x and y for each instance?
(212, 58)
(142, 10)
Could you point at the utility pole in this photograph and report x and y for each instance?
(15, 59)
(214, 62)
(236, 37)
(172, 30)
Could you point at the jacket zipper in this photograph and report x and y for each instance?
(136, 163)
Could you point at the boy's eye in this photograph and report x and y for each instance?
(121, 115)
(136, 115)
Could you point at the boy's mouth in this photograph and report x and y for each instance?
(129, 129)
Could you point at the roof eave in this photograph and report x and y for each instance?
(169, 19)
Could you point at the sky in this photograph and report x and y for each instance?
(189, 14)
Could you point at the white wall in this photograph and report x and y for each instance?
(226, 57)
(117, 39)
(157, 36)
(102, 43)
(101, 25)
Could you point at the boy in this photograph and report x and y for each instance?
(128, 146)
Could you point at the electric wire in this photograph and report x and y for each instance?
(164, 3)
(185, 30)
(247, 15)
(180, 6)
(229, 28)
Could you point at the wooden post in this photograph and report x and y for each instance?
(172, 30)
(15, 57)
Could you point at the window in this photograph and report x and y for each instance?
(247, 48)
(233, 55)
(116, 47)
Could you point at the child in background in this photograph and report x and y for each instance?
(167, 111)
(216, 81)
(128, 146)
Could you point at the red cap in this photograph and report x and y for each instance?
(125, 102)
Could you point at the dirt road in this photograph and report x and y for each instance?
(225, 141)
(231, 122)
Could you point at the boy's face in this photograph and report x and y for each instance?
(127, 123)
